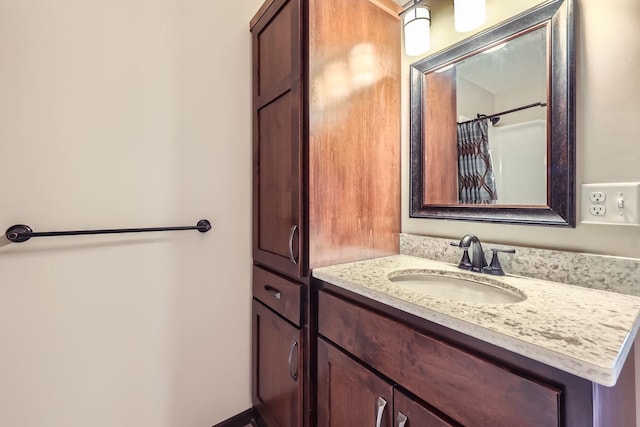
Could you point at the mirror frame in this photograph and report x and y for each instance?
(558, 15)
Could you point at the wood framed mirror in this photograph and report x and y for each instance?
(493, 124)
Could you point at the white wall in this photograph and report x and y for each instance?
(522, 95)
(607, 88)
(125, 113)
(471, 99)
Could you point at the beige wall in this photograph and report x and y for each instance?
(608, 111)
(125, 113)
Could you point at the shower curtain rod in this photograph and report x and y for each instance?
(513, 110)
(21, 233)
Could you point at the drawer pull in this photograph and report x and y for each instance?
(402, 419)
(293, 370)
(291, 235)
(381, 405)
(273, 291)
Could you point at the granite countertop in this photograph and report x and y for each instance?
(585, 332)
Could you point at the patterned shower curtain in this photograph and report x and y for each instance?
(476, 182)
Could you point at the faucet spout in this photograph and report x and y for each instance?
(478, 261)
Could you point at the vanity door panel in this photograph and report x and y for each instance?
(410, 413)
(348, 393)
(465, 386)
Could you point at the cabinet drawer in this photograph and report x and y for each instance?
(466, 387)
(280, 294)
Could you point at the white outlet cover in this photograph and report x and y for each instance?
(629, 214)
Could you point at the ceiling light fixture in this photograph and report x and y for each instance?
(417, 23)
(469, 14)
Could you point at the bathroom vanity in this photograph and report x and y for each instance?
(390, 356)
(351, 346)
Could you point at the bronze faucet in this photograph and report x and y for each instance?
(477, 261)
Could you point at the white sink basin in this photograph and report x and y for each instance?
(458, 286)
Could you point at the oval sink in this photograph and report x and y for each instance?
(456, 286)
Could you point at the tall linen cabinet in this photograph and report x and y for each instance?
(326, 174)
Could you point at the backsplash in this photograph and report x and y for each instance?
(609, 273)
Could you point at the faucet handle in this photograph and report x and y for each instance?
(495, 268)
(465, 262)
(458, 245)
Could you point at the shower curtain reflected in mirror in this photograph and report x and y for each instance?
(476, 182)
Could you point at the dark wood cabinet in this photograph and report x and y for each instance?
(456, 379)
(326, 167)
(326, 133)
(278, 391)
(281, 295)
(349, 394)
(410, 413)
(467, 388)
(278, 138)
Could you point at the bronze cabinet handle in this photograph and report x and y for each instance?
(294, 227)
(293, 372)
(273, 291)
(381, 405)
(402, 419)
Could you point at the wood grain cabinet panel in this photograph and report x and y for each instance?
(409, 413)
(277, 371)
(441, 141)
(278, 218)
(282, 295)
(275, 192)
(349, 394)
(275, 45)
(326, 143)
(326, 163)
(465, 387)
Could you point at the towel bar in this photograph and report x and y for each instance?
(21, 233)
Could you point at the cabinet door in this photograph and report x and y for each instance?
(348, 393)
(467, 387)
(277, 368)
(277, 139)
(409, 413)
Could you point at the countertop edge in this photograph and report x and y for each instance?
(603, 375)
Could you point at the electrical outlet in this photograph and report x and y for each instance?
(598, 196)
(611, 203)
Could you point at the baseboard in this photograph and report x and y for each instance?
(240, 420)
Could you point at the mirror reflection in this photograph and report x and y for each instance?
(492, 133)
(486, 133)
